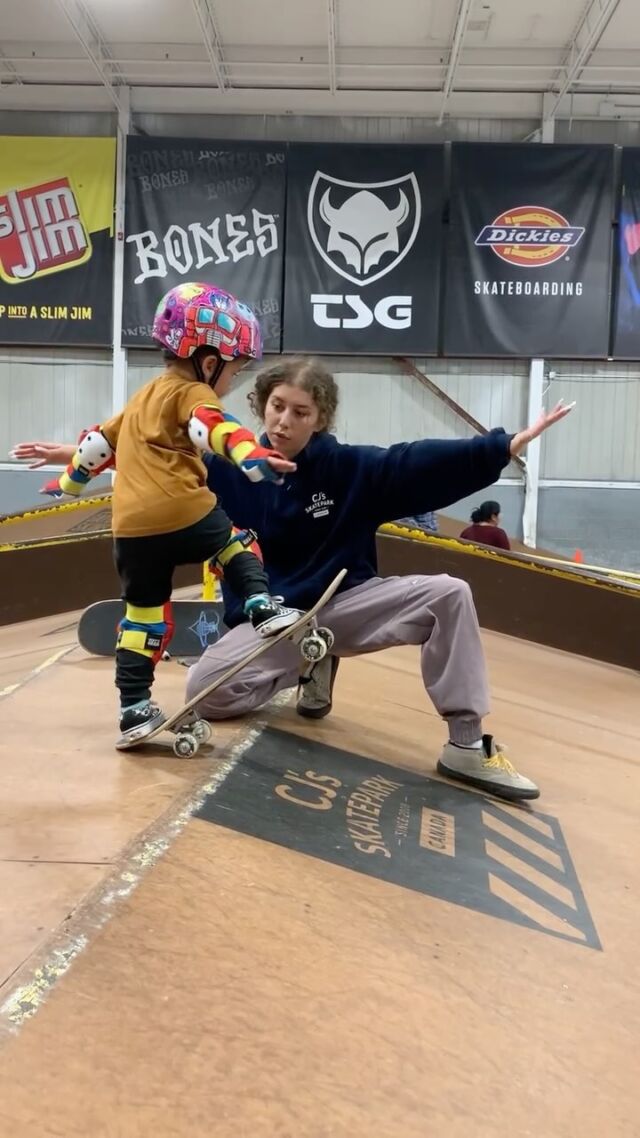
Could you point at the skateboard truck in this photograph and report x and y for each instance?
(314, 643)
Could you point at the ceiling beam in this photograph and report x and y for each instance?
(588, 34)
(175, 99)
(332, 18)
(464, 10)
(87, 32)
(206, 18)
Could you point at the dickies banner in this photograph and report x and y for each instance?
(626, 328)
(56, 240)
(201, 210)
(529, 255)
(364, 227)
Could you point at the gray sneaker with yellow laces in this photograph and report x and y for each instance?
(486, 768)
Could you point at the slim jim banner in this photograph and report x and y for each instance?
(529, 253)
(201, 210)
(56, 240)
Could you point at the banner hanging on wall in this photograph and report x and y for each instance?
(364, 226)
(529, 253)
(626, 330)
(56, 240)
(198, 210)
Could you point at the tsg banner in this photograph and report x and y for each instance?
(529, 258)
(626, 333)
(56, 240)
(202, 210)
(363, 249)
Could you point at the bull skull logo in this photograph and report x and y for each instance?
(363, 230)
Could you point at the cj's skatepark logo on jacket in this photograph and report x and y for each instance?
(320, 505)
(363, 231)
(41, 231)
(530, 237)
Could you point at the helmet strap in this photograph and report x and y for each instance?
(197, 367)
(196, 360)
(217, 372)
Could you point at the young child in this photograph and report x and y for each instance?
(163, 514)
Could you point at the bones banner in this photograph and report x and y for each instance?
(363, 249)
(56, 240)
(198, 210)
(529, 255)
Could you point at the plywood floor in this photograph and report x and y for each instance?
(182, 955)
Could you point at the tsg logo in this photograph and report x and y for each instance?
(362, 230)
(391, 312)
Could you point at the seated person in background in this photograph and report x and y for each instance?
(485, 528)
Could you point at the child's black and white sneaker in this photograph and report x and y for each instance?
(140, 720)
(268, 615)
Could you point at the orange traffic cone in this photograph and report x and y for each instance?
(579, 556)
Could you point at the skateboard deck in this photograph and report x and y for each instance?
(189, 730)
(197, 625)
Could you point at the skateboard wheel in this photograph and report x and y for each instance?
(185, 746)
(327, 636)
(313, 648)
(202, 731)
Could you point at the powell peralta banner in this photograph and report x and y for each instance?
(529, 251)
(364, 228)
(198, 210)
(626, 330)
(56, 240)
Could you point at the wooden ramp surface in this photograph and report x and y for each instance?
(254, 969)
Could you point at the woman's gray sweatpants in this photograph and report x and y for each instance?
(435, 612)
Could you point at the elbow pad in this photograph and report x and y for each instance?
(200, 427)
(212, 429)
(94, 453)
(93, 456)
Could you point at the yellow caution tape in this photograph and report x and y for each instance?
(63, 539)
(534, 565)
(61, 508)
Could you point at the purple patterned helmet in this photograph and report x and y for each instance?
(192, 316)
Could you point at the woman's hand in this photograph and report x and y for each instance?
(545, 420)
(281, 465)
(42, 454)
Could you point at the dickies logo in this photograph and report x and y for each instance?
(530, 236)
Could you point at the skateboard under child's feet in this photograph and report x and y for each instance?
(189, 730)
